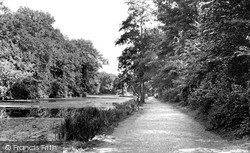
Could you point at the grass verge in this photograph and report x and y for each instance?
(84, 123)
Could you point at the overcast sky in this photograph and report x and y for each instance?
(95, 20)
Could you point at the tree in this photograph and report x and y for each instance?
(226, 29)
(12, 68)
(178, 45)
(32, 47)
(136, 38)
(84, 62)
(106, 81)
(204, 55)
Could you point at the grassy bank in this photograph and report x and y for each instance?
(84, 123)
(66, 124)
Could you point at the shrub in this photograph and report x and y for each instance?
(57, 90)
(25, 89)
(172, 94)
(225, 104)
(87, 122)
(84, 94)
(231, 113)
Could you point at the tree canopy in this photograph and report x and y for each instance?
(32, 50)
(198, 55)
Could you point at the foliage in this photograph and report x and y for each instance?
(198, 55)
(225, 109)
(106, 82)
(25, 89)
(32, 47)
(57, 90)
(88, 122)
(137, 38)
(171, 94)
(203, 59)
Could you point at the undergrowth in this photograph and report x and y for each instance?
(84, 123)
(223, 104)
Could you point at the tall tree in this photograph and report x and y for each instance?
(32, 50)
(12, 68)
(136, 38)
(205, 52)
(178, 44)
(106, 82)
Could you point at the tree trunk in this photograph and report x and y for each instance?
(122, 90)
(65, 91)
(142, 92)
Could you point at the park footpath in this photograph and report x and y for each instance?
(161, 128)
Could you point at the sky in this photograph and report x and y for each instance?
(95, 20)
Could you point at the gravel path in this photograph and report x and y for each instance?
(160, 128)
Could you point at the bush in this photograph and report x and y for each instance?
(84, 94)
(57, 90)
(231, 113)
(87, 122)
(172, 94)
(225, 104)
(25, 89)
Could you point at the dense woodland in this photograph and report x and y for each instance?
(198, 55)
(38, 61)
